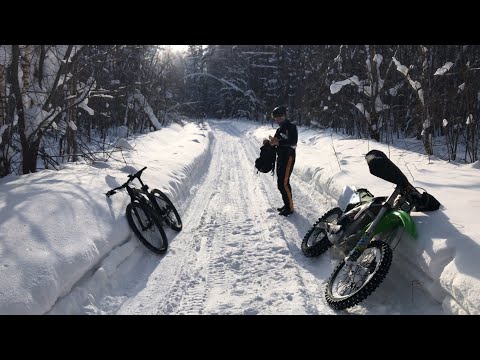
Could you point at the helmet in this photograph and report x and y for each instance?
(279, 111)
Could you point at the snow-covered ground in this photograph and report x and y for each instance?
(67, 249)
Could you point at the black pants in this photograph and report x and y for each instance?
(284, 170)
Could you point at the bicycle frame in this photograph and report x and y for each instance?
(136, 193)
(142, 215)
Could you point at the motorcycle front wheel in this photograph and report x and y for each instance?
(315, 241)
(349, 286)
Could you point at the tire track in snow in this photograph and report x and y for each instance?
(309, 204)
(236, 255)
(232, 257)
(245, 263)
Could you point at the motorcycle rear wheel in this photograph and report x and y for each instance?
(315, 241)
(348, 287)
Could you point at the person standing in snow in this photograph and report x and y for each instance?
(285, 142)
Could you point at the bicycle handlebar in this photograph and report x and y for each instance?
(131, 177)
(138, 174)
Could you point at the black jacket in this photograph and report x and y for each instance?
(287, 135)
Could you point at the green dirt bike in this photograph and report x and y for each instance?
(363, 233)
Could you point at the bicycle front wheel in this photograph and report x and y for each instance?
(147, 227)
(167, 210)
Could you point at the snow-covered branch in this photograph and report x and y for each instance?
(413, 83)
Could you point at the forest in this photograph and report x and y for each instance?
(61, 103)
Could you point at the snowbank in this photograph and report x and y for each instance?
(445, 254)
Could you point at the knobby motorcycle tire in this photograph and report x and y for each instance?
(367, 288)
(323, 244)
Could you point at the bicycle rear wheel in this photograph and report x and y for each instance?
(167, 210)
(147, 227)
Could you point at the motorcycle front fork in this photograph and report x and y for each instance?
(363, 243)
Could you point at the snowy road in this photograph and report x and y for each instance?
(236, 255)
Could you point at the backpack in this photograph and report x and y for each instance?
(427, 203)
(266, 162)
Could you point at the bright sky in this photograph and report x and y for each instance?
(67, 249)
(179, 48)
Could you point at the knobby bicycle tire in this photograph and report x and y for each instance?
(153, 227)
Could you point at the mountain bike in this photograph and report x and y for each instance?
(147, 211)
(363, 234)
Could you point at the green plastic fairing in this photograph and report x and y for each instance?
(394, 219)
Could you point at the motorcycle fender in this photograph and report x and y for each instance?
(396, 218)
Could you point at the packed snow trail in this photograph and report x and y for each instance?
(236, 255)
